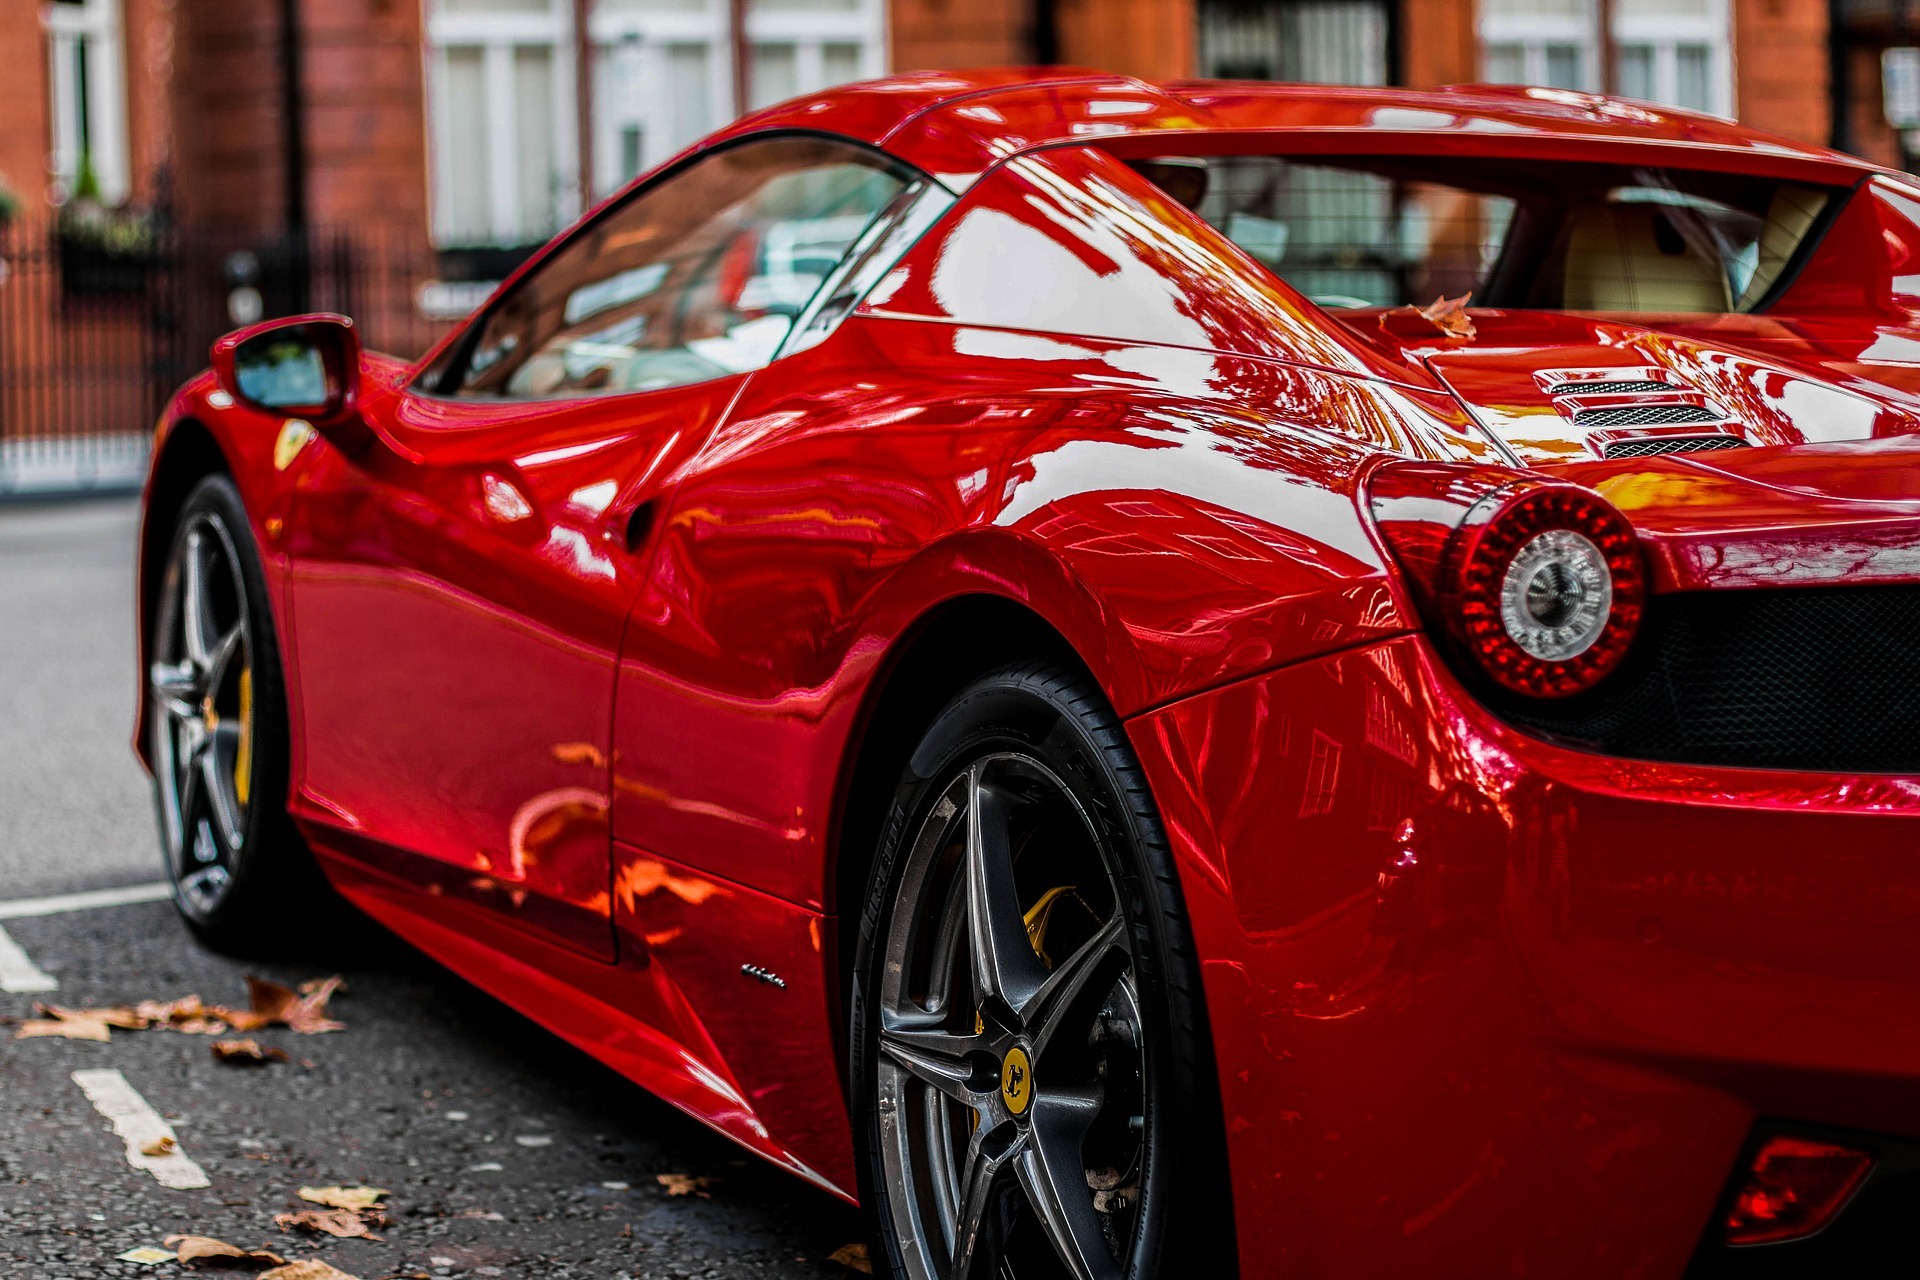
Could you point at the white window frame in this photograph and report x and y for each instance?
(497, 35)
(807, 31)
(98, 23)
(1664, 33)
(1534, 32)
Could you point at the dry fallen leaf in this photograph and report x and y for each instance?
(685, 1184)
(306, 1269)
(345, 1224)
(164, 1145)
(270, 1004)
(853, 1257)
(218, 1253)
(1449, 315)
(344, 1197)
(65, 1028)
(304, 1011)
(245, 1053)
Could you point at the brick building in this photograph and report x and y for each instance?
(353, 153)
(486, 122)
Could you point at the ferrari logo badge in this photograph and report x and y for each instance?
(1016, 1081)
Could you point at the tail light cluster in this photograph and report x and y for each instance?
(1793, 1188)
(1537, 583)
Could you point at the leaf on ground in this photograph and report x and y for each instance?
(303, 1011)
(685, 1184)
(185, 1009)
(344, 1197)
(1449, 315)
(853, 1257)
(208, 1251)
(344, 1224)
(147, 1256)
(164, 1145)
(245, 1053)
(306, 1269)
(66, 1027)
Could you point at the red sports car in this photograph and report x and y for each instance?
(1144, 679)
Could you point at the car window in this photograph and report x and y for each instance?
(698, 276)
(1386, 231)
(1348, 238)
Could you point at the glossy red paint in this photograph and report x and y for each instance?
(578, 688)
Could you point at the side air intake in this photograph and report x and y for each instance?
(1646, 448)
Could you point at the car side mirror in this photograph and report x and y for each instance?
(304, 367)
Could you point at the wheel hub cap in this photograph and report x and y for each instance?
(1016, 1081)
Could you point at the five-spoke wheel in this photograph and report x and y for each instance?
(216, 734)
(201, 682)
(1021, 1118)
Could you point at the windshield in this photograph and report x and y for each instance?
(1382, 231)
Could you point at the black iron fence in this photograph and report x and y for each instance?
(97, 329)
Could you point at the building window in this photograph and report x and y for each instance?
(1669, 51)
(87, 73)
(1312, 41)
(506, 155)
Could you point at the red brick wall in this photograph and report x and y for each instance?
(366, 113)
(226, 105)
(23, 103)
(1152, 39)
(1780, 67)
(948, 34)
(148, 28)
(1438, 43)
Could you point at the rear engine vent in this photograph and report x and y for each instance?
(1607, 388)
(1671, 444)
(1645, 415)
(1820, 678)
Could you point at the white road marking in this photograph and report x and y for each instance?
(22, 908)
(18, 972)
(141, 1127)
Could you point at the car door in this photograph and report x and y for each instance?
(460, 590)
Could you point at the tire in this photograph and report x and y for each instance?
(243, 881)
(1014, 1118)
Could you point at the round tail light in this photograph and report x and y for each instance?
(1549, 588)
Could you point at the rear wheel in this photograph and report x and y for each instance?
(218, 734)
(1030, 1056)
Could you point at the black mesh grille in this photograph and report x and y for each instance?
(1824, 679)
(1607, 388)
(1644, 415)
(1672, 444)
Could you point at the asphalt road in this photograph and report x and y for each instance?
(505, 1151)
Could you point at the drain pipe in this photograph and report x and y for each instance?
(293, 115)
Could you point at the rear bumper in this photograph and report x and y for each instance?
(1481, 1001)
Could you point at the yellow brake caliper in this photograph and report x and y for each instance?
(1037, 918)
(243, 756)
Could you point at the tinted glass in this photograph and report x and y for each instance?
(1390, 231)
(281, 370)
(696, 277)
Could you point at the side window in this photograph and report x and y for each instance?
(696, 277)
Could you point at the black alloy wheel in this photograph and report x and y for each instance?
(1033, 1085)
(217, 733)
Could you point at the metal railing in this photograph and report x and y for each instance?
(97, 332)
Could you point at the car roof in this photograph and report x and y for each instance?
(958, 124)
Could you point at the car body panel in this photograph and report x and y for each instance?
(577, 689)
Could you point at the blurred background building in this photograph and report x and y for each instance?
(171, 168)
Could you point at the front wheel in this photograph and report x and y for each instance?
(217, 734)
(1032, 1074)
